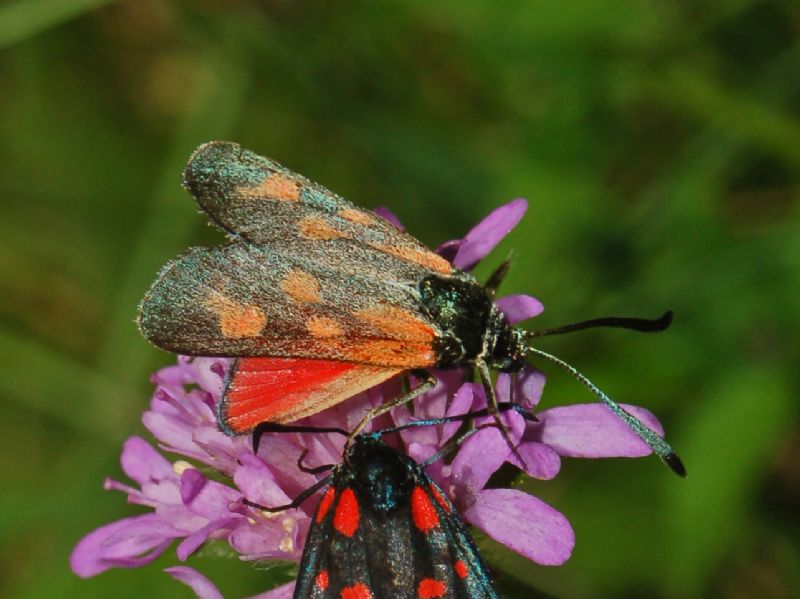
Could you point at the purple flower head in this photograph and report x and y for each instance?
(184, 505)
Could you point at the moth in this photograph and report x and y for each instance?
(383, 528)
(318, 300)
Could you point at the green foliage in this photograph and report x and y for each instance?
(658, 144)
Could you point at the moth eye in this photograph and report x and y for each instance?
(301, 286)
(274, 187)
(313, 227)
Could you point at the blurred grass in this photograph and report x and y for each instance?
(657, 143)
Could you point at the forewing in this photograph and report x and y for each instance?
(313, 578)
(335, 556)
(456, 562)
(243, 299)
(256, 199)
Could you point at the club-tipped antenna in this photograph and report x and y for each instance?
(643, 325)
(659, 446)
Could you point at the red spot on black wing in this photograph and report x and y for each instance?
(423, 512)
(461, 569)
(357, 591)
(345, 520)
(440, 498)
(430, 588)
(325, 504)
(322, 580)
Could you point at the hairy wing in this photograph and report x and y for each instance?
(251, 300)
(256, 199)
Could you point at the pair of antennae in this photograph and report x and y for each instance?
(659, 446)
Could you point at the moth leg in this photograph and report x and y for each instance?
(428, 383)
(496, 278)
(494, 408)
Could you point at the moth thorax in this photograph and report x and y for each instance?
(505, 345)
(460, 309)
(382, 480)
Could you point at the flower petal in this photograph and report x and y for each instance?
(484, 236)
(271, 536)
(285, 591)
(479, 457)
(258, 484)
(126, 543)
(142, 463)
(191, 543)
(390, 216)
(207, 374)
(206, 498)
(523, 388)
(171, 432)
(524, 524)
(449, 249)
(517, 308)
(202, 586)
(539, 460)
(461, 404)
(592, 431)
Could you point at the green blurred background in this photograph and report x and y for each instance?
(657, 141)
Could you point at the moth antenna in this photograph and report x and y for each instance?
(659, 446)
(642, 325)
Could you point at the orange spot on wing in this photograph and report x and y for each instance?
(301, 286)
(325, 504)
(357, 216)
(393, 352)
(396, 323)
(422, 511)
(357, 591)
(323, 326)
(313, 227)
(461, 569)
(236, 320)
(430, 588)
(274, 187)
(345, 520)
(424, 258)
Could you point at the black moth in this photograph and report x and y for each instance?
(384, 529)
